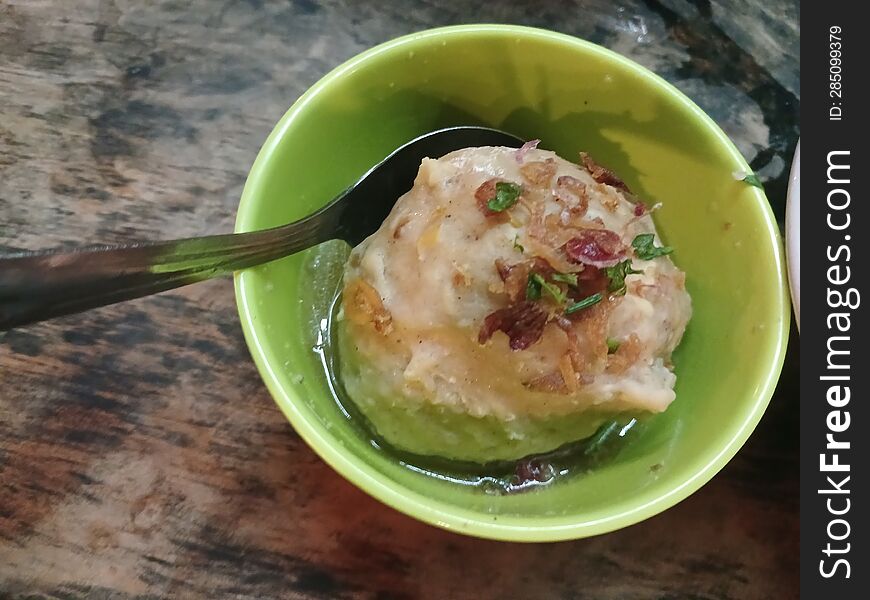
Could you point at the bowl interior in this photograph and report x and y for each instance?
(574, 96)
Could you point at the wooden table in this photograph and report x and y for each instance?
(140, 454)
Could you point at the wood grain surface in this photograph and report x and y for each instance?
(140, 454)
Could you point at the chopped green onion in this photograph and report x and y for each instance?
(506, 195)
(569, 278)
(533, 288)
(584, 303)
(517, 245)
(617, 275)
(752, 179)
(645, 248)
(551, 289)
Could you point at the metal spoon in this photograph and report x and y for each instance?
(35, 286)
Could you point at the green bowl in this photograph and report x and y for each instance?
(574, 96)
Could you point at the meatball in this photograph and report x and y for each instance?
(510, 303)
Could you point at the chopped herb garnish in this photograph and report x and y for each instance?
(646, 249)
(517, 245)
(533, 288)
(569, 278)
(612, 345)
(552, 290)
(752, 179)
(584, 303)
(617, 275)
(506, 195)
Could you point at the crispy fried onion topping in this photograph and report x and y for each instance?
(486, 192)
(525, 149)
(523, 323)
(625, 356)
(596, 247)
(602, 174)
(516, 276)
(539, 173)
(573, 193)
(363, 306)
(586, 355)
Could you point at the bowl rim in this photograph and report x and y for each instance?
(459, 519)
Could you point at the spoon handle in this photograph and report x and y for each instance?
(35, 286)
